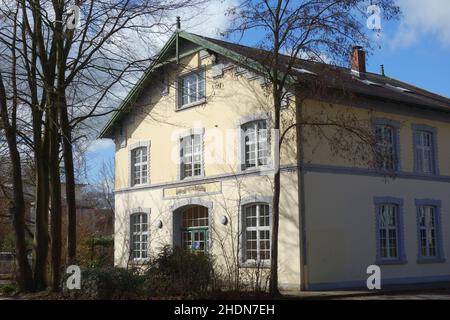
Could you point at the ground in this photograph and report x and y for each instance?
(437, 295)
(433, 291)
(439, 291)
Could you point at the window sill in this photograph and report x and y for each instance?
(255, 265)
(138, 186)
(391, 262)
(191, 105)
(257, 169)
(193, 179)
(140, 261)
(430, 260)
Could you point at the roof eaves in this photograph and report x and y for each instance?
(230, 54)
(105, 133)
(202, 42)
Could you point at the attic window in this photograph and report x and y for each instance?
(191, 89)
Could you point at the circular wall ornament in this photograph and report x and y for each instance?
(159, 224)
(224, 220)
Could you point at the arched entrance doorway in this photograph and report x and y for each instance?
(191, 228)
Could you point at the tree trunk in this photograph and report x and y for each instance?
(17, 207)
(55, 103)
(275, 202)
(41, 233)
(70, 185)
(41, 239)
(23, 275)
(55, 192)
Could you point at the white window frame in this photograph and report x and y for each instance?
(133, 165)
(199, 91)
(425, 165)
(426, 159)
(258, 229)
(139, 174)
(427, 229)
(141, 234)
(400, 258)
(192, 155)
(394, 209)
(387, 148)
(252, 131)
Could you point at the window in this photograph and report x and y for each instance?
(428, 230)
(191, 156)
(389, 232)
(425, 149)
(387, 156)
(139, 236)
(256, 233)
(194, 229)
(191, 88)
(139, 169)
(256, 144)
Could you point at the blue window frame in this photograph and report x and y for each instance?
(429, 232)
(425, 150)
(387, 133)
(389, 230)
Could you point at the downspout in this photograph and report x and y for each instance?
(304, 281)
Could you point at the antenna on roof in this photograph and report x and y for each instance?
(382, 70)
(178, 23)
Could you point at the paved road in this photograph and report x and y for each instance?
(444, 295)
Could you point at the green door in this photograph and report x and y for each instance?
(194, 230)
(195, 239)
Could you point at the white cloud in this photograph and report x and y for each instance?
(423, 18)
(100, 145)
(211, 20)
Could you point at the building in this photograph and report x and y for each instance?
(195, 165)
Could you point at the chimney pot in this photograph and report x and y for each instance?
(358, 61)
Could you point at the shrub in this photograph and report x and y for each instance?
(172, 273)
(179, 272)
(8, 289)
(106, 284)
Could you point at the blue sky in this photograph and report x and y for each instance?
(415, 49)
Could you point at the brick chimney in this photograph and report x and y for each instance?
(358, 59)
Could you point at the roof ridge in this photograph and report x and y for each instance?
(419, 90)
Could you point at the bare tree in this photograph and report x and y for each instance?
(311, 29)
(62, 78)
(8, 112)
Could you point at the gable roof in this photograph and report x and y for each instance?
(368, 84)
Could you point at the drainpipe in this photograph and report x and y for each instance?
(304, 281)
